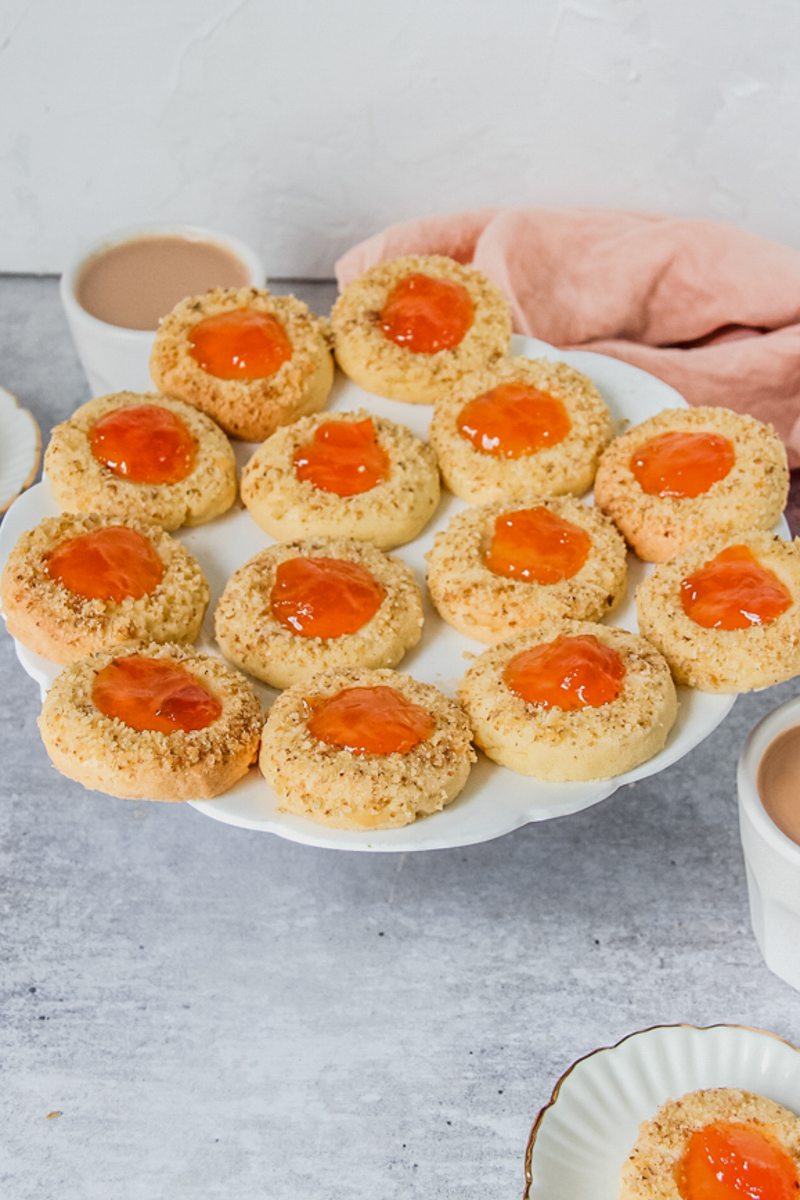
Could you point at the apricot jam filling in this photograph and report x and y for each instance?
(425, 314)
(729, 1160)
(683, 465)
(569, 673)
(144, 443)
(343, 457)
(107, 564)
(324, 597)
(512, 420)
(241, 344)
(535, 545)
(154, 694)
(370, 720)
(734, 591)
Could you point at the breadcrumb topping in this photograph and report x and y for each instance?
(249, 409)
(751, 496)
(567, 467)
(82, 484)
(724, 660)
(349, 791)
(254, 640)
(489, 607)
(392, 512)
(63, 626)
(379, 365)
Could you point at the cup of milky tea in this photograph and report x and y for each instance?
(115, 292)
(769, 821)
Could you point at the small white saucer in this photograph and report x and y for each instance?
(20, 448)
(582, 1137)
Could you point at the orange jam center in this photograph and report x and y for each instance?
(108, 564)
(682, 464)
(732, 1161)
(370, 720)
(152, 693)
(512, 420)
(343, 457)
(734, 591)
(425, 314)
(535, 545)
(569, 673)
(241, 344)
(324, 597)
(144, 443)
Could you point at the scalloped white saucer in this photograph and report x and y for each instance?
(582, 1137)
(20, 446)
(495, 800)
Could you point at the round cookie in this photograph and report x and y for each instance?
(263, 369)
(472, 326)
(348, 786)
(740, 469)
(718, 659)
(545, 426)
(296, 609)
(551, 742)
(491, 604)
(387, 512)
(137, 584)
(185, 443)
(108, 754)
(650, 1172)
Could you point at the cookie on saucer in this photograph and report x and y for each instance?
(715, 1142)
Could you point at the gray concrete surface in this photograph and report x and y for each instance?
(215, 1013)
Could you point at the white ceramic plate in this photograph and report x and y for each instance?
(19, 448)
(495, 800)
(581, 1139)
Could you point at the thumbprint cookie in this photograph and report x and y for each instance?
(365, 749)
(154, 722)
(501, 568)
(349, 475)
(250, 360)
(715, 1144)
(143, 456)
(410, 328)
(688, 474)
(524, 427)
(78, 584)
(300, 608)
(726, 613)
(570, 700)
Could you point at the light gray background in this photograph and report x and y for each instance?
(303, 127)
(217, 1013)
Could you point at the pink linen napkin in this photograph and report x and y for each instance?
(709, 308)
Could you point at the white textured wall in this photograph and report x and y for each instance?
(304, 126)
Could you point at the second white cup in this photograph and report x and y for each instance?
(772, 859)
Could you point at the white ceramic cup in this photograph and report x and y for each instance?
(772, 860)
(117, 359)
